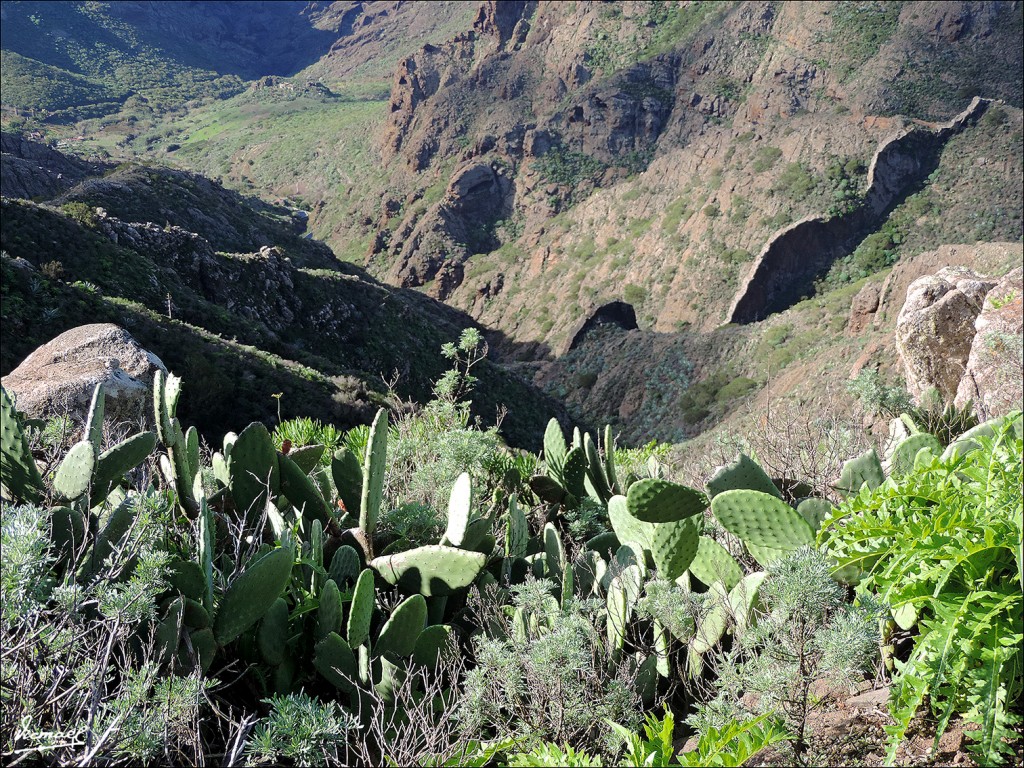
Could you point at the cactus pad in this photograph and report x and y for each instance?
(272, 636)
(517, 530)
(554, 447)
(19, 475)
(906, 451)
(744, 473)
(814, 510)
(761, 519)
(307, 457)
(460, 506)
(627, 528)
(333, 659)
(361, 610)
(345, 565)
(866, 468)
(432, 642)
(673, 546)
(250, 595)
(253, 469)
(94, 420)
(659, 501)
(116, 462)
(400, 632)
(302, 492)
(328, 615)
(430, 570)
(74, 475)
(714, 563)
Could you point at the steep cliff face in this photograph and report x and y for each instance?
(690, 132)
(644, 153)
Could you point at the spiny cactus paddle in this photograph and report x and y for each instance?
(307, 458)
(253, 470)
(598, 485)
(252, 593)
(627, 528)
(361, 610)
(431, 644)
(94, 420)
(659, 501)
(19, 476)
(744, 473)
(273, 633)
(300, 490)
(674, 545)
(460, 506)
(329, 612)
(114, 463)
(74, 475)
(430, 570)
(373, 476)
(554, 447)
(517, 530)
(864, 469)
(345, 566)
(400, 632)
(333, 658)
(814, 511)
(761, 519)
(347, 474)
(902, 461)
(714, 563)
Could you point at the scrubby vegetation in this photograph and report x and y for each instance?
(416, 592)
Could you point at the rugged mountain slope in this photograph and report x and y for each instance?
(164, 253)
(559, 170)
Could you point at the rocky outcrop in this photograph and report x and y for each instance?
(994, 374)
(792, 260)
(935, 329)
(60, 376)
(435, 246)
(863, 308)
(30, 169)
(983, 258)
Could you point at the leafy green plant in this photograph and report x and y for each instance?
(304, 431)
(552, 755)
(735, 743)
(942, 546)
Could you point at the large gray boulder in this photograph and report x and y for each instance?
(995, 367)
(935, 329)
(60, 376)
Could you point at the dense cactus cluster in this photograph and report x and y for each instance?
(285, 569)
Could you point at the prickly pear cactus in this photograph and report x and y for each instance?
(627, 528)
(659, 501)
(714, 563)
(761, 519)
(361, 610)
(430, 570)
(252, 594)
(74, 475)
(114, 463)
(674, 545)
(253, 471)
(744, 473)
(373, 474)
(400, 632)
(864, 469)
(19, 475)
(333, 658)
(460, 506)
